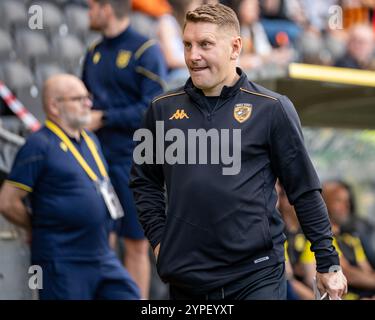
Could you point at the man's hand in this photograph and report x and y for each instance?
(96, 120)
(334, 283)
(156, 251)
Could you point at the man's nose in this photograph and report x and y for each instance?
(195, 54)
(88, 103)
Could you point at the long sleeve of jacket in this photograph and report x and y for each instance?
(296, 172)
(313, 217)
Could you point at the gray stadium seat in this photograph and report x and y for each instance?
(61, 3)
(12, 14)
(20, 81)
(17, 76)
(144, 24)
(32, 100)
(77, 20)
(82, 3)
(92, 37)
(32, 46)
(69, 52)
(6, 48)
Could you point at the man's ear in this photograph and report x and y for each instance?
(236, 47)
(53, 108)
(108, 10)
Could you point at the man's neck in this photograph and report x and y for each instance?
(71, 132)
(116, 27)
(229, 82)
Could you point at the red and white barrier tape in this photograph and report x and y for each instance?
(18, 108)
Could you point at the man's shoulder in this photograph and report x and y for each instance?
(95, 44)
(40, 138)
(168, 96)
(276, 101)
(137, 42)
(257, 90)
(36, 143)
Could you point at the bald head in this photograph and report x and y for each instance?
(66, 102)
(59, 85)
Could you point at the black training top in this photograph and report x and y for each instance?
(219, 227)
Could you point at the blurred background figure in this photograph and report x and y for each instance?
(360, 274)
(257, 51)
(360, 49)
(353, 259)
(342, 207)
(294, 246)
(321, 42)
(58, 170)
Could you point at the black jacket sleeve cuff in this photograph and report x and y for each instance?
(328, 263)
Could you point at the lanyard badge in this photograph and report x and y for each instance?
(110, 198)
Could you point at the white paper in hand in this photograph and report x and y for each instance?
(318, 295)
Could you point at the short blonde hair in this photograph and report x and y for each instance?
(218, 14)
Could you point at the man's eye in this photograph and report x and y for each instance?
(205, 44)
(187, 45)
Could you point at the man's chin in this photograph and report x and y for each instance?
(199, 84)
(83, 122)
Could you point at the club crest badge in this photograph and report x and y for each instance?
(96, 57)
(123, 59)
(242, 111)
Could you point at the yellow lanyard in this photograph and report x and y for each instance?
(82, 162)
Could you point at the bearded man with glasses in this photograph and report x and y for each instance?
(62, 171)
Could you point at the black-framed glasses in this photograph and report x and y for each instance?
(81, 98)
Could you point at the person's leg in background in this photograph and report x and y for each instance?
(115, 282)
(63, 280)
(129, 230)
(137, 262)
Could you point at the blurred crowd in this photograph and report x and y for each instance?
(275, 32)
(354, 240)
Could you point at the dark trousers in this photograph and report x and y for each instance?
(264, 284)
